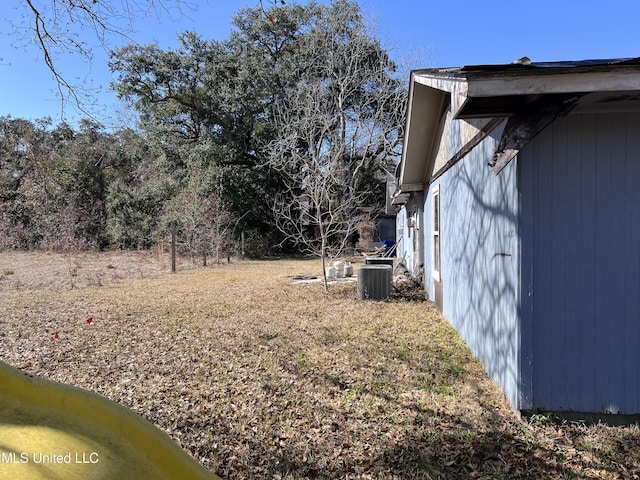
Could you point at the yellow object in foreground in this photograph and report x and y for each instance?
(53, 431)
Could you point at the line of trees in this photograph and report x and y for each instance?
(72, 189)
(284, 131)
(53, 183)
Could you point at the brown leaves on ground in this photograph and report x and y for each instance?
(259, 378)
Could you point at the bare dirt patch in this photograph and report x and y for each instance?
(259, 378)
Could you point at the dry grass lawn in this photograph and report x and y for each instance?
(259, 378)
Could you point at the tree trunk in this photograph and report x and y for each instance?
(173, 249)
(217, 242)
(324, 262)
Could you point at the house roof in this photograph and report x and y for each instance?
(525, 92)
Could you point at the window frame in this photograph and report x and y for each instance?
(436, 235)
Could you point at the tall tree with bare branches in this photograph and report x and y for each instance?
(301, 107)
(338, 127)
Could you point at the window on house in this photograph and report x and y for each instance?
(435, 245)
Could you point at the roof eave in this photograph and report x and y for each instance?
(424, 114)
(499, 91)
(544, 83)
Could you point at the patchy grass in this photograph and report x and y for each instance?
(258, 378)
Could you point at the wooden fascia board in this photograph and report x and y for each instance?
(404, 192)
(411, 187)
(408, 122)
(498, 85)
(456, 86)
(400, 199)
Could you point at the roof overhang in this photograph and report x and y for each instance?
(529, 95)
(494, 90)
(424, 109)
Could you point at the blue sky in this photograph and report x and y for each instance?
(419, 33)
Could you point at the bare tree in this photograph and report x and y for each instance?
(202, 217)
(337, 128)
(77, 27)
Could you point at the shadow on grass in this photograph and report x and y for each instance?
(454, 450)
(432, 445)
(439, 445)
